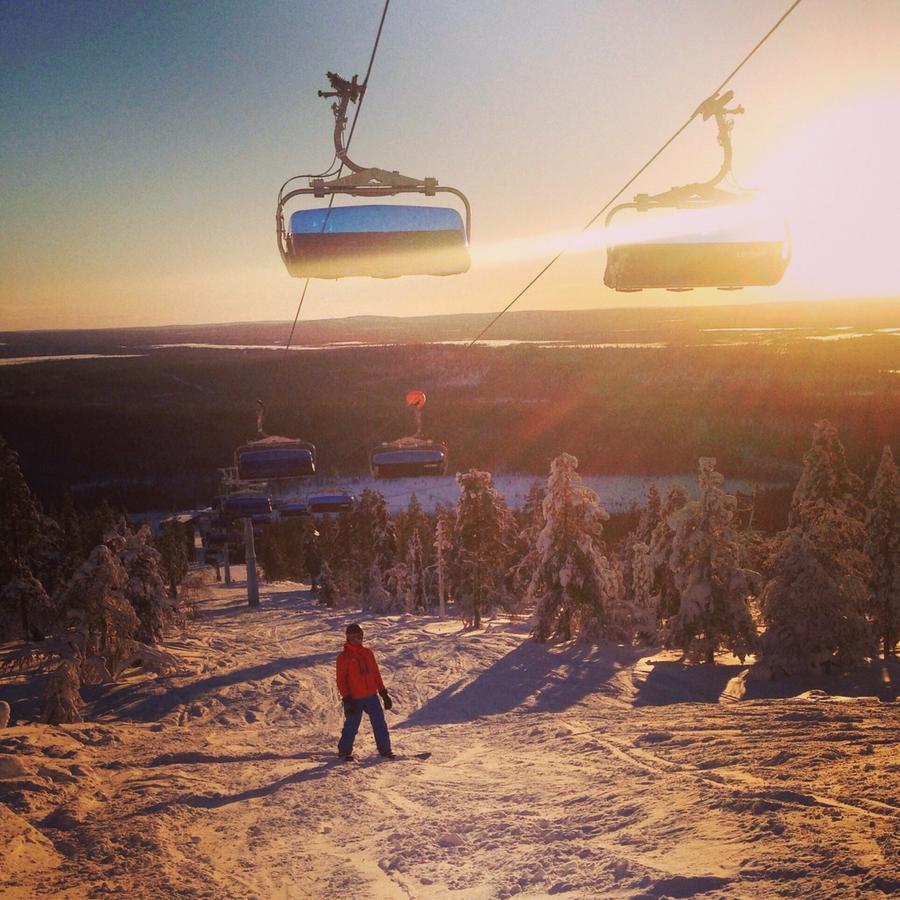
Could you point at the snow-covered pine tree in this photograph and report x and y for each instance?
(664, 589)
(714, 590)
(21, 537)
(530, 522)
(374, 550)
(414, 599)
(101, 623)
(172, 547)
(650, 516)
(26, 611)
(814, 603)
(883, 549)
(482, 530)
(643, 599)
(444, 527)
(145, 589)
(62, 702)
(576, 588)
(826, 475)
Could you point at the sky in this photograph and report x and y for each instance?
(142, 145)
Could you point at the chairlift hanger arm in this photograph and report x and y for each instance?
(699, 193)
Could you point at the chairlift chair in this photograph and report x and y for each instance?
(374, 240)
(292, 510)
(410, 457)
(273, 458)
(330, 502)
(728, 258)
(245, 506)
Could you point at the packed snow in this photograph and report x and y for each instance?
(561, 769)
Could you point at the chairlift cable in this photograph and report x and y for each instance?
(359, 104)
(639, 172)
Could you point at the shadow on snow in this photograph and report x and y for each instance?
(552, 677)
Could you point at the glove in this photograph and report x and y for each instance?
(349, 706)
(386, 699)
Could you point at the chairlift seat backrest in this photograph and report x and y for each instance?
(685, 265)
(244, 506)
(270, 461)
(330, 503)
(389, 461)
(376, 240)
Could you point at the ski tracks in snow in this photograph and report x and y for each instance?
(547, 777)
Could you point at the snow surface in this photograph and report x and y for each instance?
(556, 770)
(617, 493)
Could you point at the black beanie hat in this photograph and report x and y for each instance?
(353, 628)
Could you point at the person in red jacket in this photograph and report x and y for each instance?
(359, 683)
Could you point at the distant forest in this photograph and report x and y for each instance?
(150, 431)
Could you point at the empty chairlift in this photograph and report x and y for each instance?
(273, 458)
(715, 239)
(245, 506)
(335, 501)
(410, 457)
(374, 239)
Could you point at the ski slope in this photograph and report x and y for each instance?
(556, 771)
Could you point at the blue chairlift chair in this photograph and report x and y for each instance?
(373, 240)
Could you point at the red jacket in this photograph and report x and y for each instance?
(357, 672)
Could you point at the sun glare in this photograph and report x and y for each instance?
(836, 179)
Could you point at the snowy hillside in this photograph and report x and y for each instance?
(616, 492)
(555, 770)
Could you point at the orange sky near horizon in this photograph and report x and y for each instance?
(140, 185)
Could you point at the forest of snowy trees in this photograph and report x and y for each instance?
(822, 594)
(92, 596)
(81, 592)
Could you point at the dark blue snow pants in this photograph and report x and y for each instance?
(372, 706)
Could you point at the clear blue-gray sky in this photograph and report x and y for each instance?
(143, 143)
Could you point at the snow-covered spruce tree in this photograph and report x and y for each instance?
(826, 475)
(145, 589)
(444, 528)
(174, 554)
(576, 588)
(374, 550)
(62, 700)
(414, 599)
(714, 590)
(26, 611)
(882, 545)
(101, 623)
(529, 523)
(644, 601)
(814, 603)
(650, 516)
(482, 530)
(329, 593)
(21, 537)
(664, 589)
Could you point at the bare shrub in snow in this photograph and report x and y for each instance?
(714, 590)
(576, 588)
(814, 604)
(883, 549)
(483, 523)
